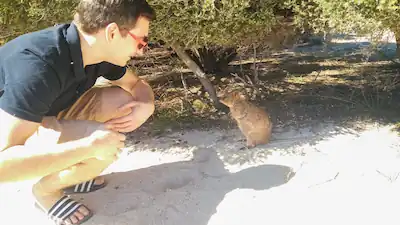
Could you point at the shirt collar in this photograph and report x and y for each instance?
(72, 38)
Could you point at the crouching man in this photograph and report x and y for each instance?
(56, 125)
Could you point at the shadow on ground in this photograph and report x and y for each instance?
(190, 191)
(230, 142)
(184, 192)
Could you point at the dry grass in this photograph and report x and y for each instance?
(294, 87)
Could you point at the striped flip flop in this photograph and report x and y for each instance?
(63, 209)
(85, 187)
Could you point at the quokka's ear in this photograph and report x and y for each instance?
(241, 95)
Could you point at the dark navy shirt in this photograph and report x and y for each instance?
(42, 73)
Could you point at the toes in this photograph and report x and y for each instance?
(74, 218)
(83, 211)
(78, 216)
(99, 180)
(58, 210)
(67, 222)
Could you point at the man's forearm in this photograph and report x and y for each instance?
(20, 162)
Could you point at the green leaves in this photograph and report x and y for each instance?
(22, 16)
(193, 23)
(201, 23)
(359, 16)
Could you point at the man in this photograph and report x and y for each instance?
(57, 127)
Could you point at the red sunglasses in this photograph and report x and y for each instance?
(142, 41)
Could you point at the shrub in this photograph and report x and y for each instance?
(22, 16)
(363, 17)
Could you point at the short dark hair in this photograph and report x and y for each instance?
(93, 15)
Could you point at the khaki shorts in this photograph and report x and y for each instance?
(96, 106)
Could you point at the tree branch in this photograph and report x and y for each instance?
(198, 72)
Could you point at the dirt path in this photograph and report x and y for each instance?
(202, 177)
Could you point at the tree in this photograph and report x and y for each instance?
(197, 30)
(22, 16)
(364, 17)
(203, 26)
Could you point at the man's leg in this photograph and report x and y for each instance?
(97, 105)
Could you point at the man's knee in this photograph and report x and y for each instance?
(148, 109)
(113, 98)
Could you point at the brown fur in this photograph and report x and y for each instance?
(253, 121)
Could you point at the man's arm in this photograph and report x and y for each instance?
(31, 87)
(18, 162)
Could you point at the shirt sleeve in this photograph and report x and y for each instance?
(111, 71)
(31, 86)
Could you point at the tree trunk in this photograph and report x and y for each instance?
(397, 35)
(198, 73)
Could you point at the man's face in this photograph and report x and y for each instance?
(122, 49)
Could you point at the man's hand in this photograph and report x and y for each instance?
(128, 122)
(135, 113)
(106, 143)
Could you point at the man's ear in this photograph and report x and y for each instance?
(112, 32)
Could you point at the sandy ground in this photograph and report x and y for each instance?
(328, 174)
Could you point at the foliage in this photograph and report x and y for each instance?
(22, 16)
(193, 23)
(196, 23)
(363, 17)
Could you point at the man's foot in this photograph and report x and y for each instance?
(87, 186)
(62, 209)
